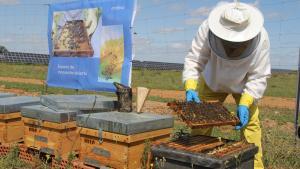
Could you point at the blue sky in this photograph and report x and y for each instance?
(163, 29)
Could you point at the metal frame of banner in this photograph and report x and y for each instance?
(297, 127)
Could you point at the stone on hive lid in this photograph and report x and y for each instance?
(3, 95)
(79, 102)
(125, 123)
(41, 112)
(14, 104)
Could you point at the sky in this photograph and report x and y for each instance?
(163, 29)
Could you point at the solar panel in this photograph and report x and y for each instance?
(32, 58)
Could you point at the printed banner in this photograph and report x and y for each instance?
(90, 44)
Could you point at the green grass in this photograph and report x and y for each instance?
(154, 79)
(282, 85)
(23, 71)
(279, 85)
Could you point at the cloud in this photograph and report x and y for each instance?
(194, 21)
(9, 2)
(273, 15)
(6, 40)
(156, 1)
(138, 8)
(202, 11)
(170, 30)
(176, 6)
(178, 45)
(141, 42)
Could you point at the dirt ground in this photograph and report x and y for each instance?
(273, 102)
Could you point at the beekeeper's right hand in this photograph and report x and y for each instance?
(190, 88)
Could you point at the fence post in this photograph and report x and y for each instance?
(297, 129)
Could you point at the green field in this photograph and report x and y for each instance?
(279, 85)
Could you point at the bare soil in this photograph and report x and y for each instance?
(22, 80)
(267, 123)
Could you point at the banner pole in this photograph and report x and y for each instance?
(297, 102)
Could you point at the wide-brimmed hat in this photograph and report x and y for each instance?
(235, 22)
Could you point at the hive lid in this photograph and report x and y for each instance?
(79, 102)
(3, 95)
(14, 104)
(125, 123)
(41, 112)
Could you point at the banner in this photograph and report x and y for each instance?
(90, 44)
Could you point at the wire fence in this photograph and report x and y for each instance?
(163, 31)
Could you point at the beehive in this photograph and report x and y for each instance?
(11, 126)
(118, 139)
(50, 131)
(203, 152)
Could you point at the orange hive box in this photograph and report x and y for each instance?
(49, 131)
(120, 140)
(11, 125)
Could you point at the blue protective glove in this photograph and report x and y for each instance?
(191, 95)
(243, 115)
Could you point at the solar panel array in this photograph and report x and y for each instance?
(156, 65)
(31, 58)
(25, 58)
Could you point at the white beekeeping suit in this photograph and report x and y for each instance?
(248, 74)
(230, 55)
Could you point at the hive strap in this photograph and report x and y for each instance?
(100, 137)
(190, 84)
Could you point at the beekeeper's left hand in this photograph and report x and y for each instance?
(243, 115)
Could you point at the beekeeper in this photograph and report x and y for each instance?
(230, 55)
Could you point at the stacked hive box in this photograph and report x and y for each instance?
(117, 139)
(52, 129)
(4, 95)
(11, 125)
(203, 152)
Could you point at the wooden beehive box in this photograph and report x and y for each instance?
(50, 131)
(203, 152)
(11, 125)
(118, 140)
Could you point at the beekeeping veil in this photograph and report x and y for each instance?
(234, 29)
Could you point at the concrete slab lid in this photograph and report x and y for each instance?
(79, 102)
(2, 95)
(41, 112)
(125, 123)
(14, 104)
